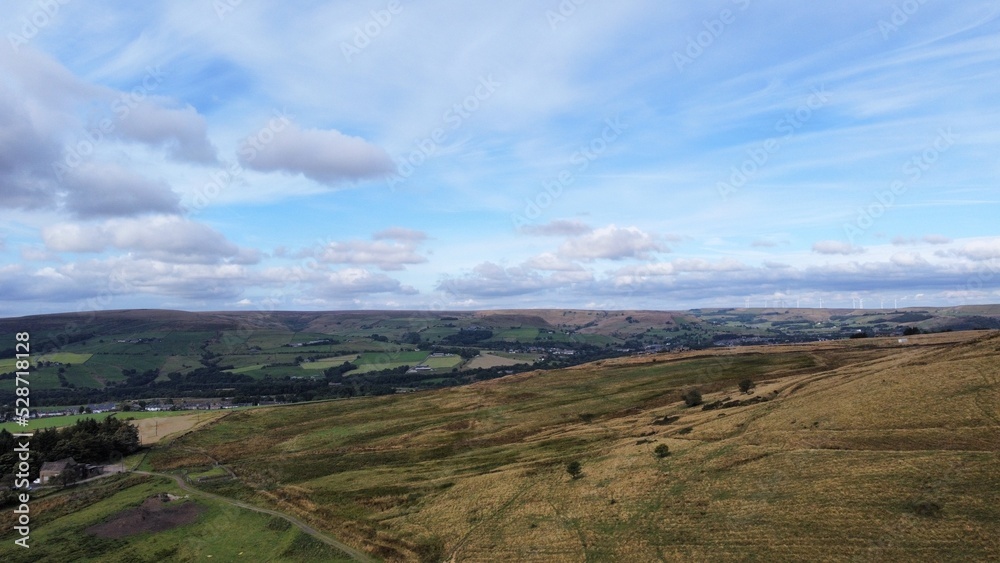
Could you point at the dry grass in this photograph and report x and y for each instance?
(152, 430)
(859, 437)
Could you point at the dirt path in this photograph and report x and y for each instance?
(321, 536)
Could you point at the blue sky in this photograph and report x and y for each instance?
(437, 155)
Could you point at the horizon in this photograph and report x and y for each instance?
(786, 309)
(383, 156)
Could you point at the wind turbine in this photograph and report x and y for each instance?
(854, 302)
(861, 302)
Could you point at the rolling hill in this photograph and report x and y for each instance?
(860, 450)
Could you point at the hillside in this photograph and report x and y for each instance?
(111, 356)
(863, 450)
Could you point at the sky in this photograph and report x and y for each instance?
(256, 155)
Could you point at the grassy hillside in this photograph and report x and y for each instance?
(63, 530)
(74, 353)
(865, 450)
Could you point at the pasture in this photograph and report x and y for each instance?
(848, 439)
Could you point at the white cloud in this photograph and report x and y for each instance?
(166, 238)
(550, 262)
(183, 131)
(558, 227)
(979, 250)
(108, 190)
(612, 243)
(832, 247)
(392, 249)
(326, 156)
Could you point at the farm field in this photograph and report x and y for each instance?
(103, 346)
(68, 525)
(484, 360)
(67, 420)
(326, 363)
(853, 450)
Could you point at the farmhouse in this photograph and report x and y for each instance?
(51, 469)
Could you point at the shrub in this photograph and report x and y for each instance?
(574, 469)
(692, 397)
(662, 451)
(927, 508)
(746, 385)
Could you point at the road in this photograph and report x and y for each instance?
(321, 536)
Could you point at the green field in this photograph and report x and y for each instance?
(222, 532)
(329, 362)
(67, 420)
(375, 361)
(446, 362)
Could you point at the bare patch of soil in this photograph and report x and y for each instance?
(154, 515)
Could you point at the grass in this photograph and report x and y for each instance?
(446, 362)
(329, 362)
(859, 437)
(68, 420)
(64, 358)
(222, 532)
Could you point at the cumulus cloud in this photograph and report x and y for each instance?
(550, 262)
(400, 234)
(49, 154)
(27, 150)
(908, 259)
(831, 247)
(937, 239)
(355, 281)
(105, 190)
(183, 131)
(391, 249)
(978, 250)
(489, 279)
(326, 156)
(166, 238)
(612, 243)
(928, 239)
(559, 227)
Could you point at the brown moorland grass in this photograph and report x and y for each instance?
(868, 451)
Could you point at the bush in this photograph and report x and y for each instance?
(692, 397)
(927, 508)
(574, 469)
(746, 385)
(662, 451)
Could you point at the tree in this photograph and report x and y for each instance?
(574, 469)
(692, 397)
(662, 451)
(746, 385)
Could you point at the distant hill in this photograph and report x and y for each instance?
(90, 357)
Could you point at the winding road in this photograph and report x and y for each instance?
(321, 536)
